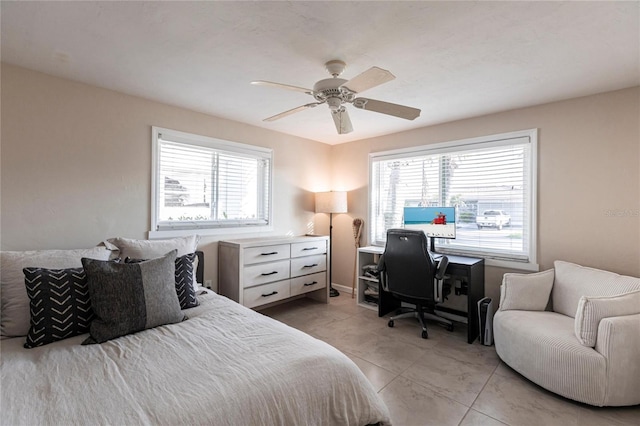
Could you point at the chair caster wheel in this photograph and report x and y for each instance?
(390, 323)
(425, 335)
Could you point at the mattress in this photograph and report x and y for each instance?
(225, 365)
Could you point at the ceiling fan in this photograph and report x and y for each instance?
(337, 92)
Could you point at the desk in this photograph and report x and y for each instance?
(465, 274)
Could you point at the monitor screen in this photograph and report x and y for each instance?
(436, 222)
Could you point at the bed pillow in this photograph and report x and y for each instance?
(131, 297)
(150, 249)
(185, 288)
(60, 304)
(14, 305)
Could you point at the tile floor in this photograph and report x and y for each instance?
(441, 380)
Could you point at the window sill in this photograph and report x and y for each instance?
(204, 232)
(497, 263)
(511, 264)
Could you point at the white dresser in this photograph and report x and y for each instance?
(259, 271)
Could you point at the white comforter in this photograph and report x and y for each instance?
(226, 365)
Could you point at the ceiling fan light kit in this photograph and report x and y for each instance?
(336, 92)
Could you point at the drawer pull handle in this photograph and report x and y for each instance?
(269, 273)
(310, 266)
(270, 294)
(310, 248)
(308, 284)
(268, 254)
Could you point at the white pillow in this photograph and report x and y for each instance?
(574, 281)
(593, 309)
(526, 292)
(15, 316)
(151, 249)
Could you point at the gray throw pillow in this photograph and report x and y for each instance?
(127, 298)
(185, 289)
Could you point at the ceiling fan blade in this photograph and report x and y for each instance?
(372, 77)
(292, 111)
(282, 86)
(388, 108)
(342, 121)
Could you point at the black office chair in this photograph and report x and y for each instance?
(409, 273)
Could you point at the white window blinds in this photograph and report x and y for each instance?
(206, 183)
(481, 175)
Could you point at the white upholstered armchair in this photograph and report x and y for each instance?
(586, 344)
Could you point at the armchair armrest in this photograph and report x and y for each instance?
(619, 343)
(526, 292)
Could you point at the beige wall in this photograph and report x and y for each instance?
(76, 168)
(76, 164)
(588, 165)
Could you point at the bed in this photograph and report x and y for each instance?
(224, 365)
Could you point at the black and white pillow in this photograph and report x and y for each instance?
(184, 279)
(131, 297)
(59, 303)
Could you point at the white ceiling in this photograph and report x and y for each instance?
(452, 60)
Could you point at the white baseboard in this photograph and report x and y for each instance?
(342, 288)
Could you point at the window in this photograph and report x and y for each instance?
(208, 185)
(493, 175)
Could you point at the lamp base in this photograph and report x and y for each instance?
(333, 292)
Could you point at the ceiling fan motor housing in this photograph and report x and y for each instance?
(328, 88)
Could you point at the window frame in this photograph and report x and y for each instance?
(222, 145)
(482, 142)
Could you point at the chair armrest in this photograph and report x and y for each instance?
(619, 343)
(382, 269)
(442, 267)
(438, 281)
(592, 310)
(526, 292)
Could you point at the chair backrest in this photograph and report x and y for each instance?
(409, 267)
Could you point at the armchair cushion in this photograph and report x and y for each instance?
(526, 292)
(574, 281)
(591, 310)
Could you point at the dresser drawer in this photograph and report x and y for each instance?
(267, 293)
(308, 265)
(266, 253)
(308, 248)
(308, 283)
(265, 273)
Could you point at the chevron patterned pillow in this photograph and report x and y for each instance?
(184, 279)
(59, 302)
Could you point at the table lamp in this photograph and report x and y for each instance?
(331, 202)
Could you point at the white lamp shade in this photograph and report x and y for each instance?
(331, 202)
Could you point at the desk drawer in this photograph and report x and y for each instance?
(265, 273)
(266, 253)
(267, 293)
(308, 283)
(308, 265)
(308, 248)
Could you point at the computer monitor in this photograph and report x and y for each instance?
(436, 222)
